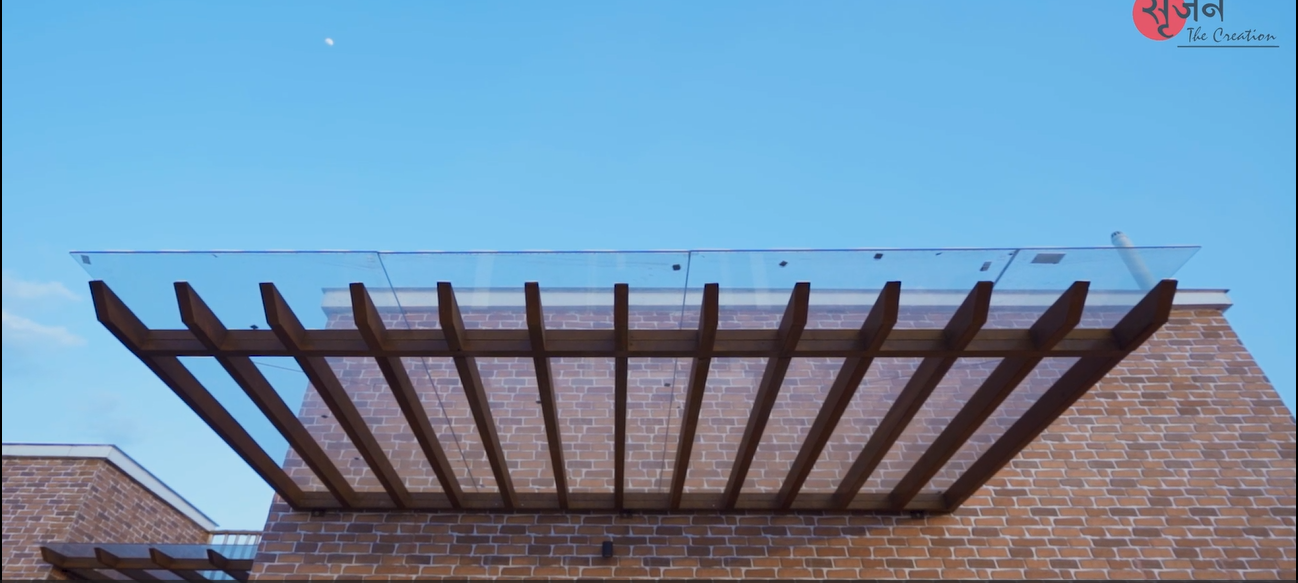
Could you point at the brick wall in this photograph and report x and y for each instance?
(1180, 463)
(79, 501)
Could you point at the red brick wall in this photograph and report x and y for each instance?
(1180, 463)
(79, 501)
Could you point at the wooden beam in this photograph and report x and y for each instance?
(112, 561)
(1133, 330)
(289, 329)
(621, 370)
(545, 390)
(962, 328)
(646, 501)
(1049, 329)
(644, 343)
(768, 390)
(370, 324)
(228, 566)
(107, 558)
(209, 330)
(127, 328)
(709, 317)
(452, 323)
(874, 331)
(167, 562)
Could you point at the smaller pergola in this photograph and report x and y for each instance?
(1054, 334)
(161, 562)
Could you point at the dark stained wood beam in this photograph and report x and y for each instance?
(768, 390)
(964, 325)
(285, 324)
(597, 343)
(545, 390)
(167, 562)
(709, 318)
(874, 331)
(1133, 330)
(131, 332)
(621, 370)
(647, 501)
(370, 324)
(114, 562)
(1049, 329)
(452, 322)
(209, 330)
(228, 566)
(107, 559)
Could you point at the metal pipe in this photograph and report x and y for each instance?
(1135, 264)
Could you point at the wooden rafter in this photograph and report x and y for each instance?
(878, 324)
(475, 392)
(167, 562)
(131, 332)
(1053, 335)
(621, 366)
(209, 330)
(545, 391)
(285, 324)
(768, 389)
(1057, 321)
(1133, 330)
(964, 324)
(370, 324)
(709, 315)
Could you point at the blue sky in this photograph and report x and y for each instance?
(607, 126)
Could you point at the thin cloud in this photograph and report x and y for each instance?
(22, 289)
(22, 330)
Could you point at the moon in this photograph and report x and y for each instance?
(329, 41)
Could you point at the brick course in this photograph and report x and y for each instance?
(79, 501)
(1179, 464)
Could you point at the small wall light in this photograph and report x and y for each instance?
(606, 549)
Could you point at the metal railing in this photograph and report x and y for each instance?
(235, 537)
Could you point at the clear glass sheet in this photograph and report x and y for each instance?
(291, 385)
(437, 382)
(801, 396)
(1009, 412)
(1119, 278)
(655, 398)
(727, 404)
(222, 387)
(515, 402)
(228, 282)
(369, 392)
(878, 391)
(286, 376)
(584, 391)
(576, 287)
(959, 383)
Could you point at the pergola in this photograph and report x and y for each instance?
(160, 562)
(1054, 334)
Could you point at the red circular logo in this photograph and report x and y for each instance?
(1159, 19)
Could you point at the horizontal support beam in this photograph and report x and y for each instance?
(729, 343)
(638, 501)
